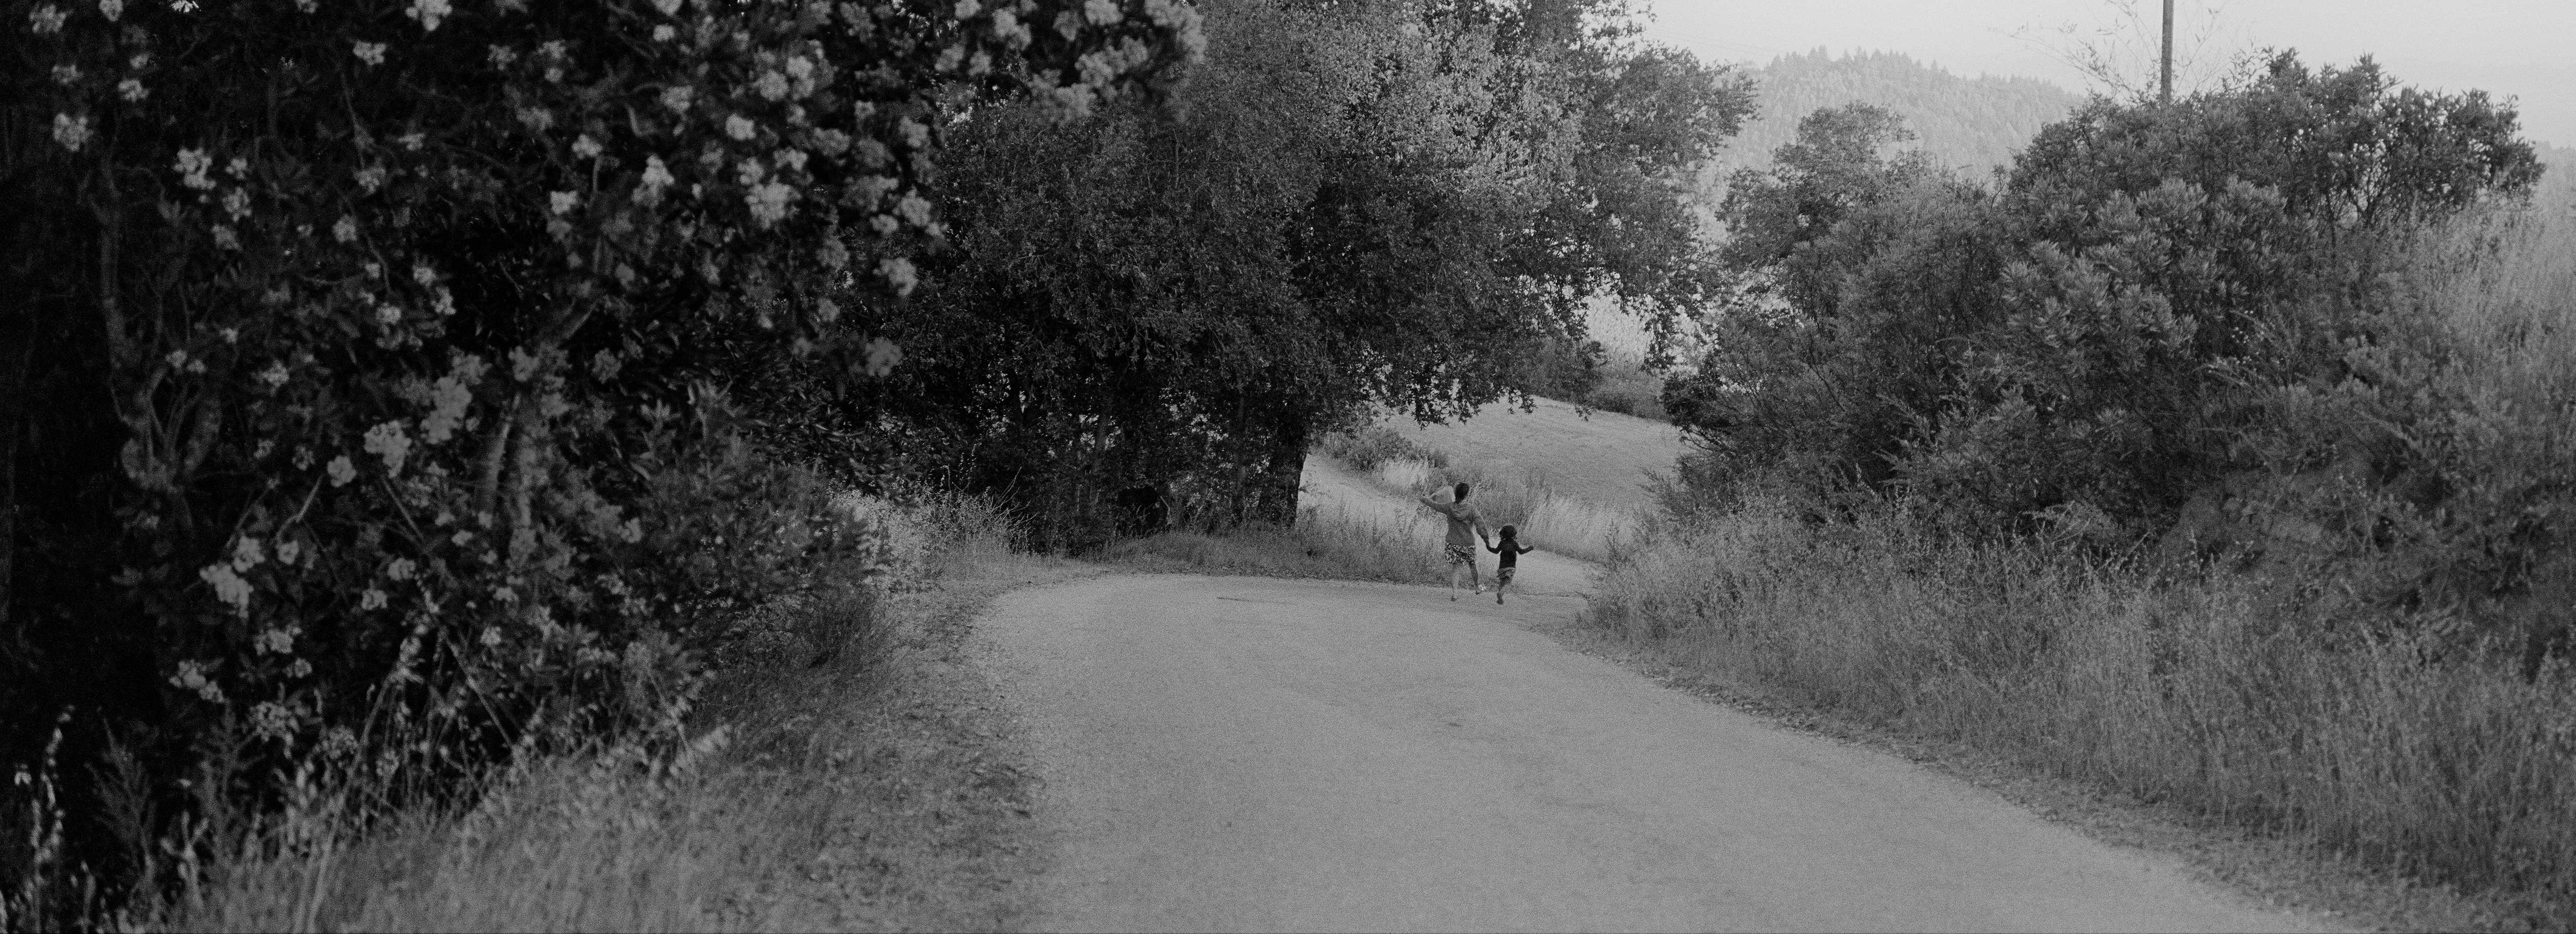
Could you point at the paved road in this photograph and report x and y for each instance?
(1248, 754)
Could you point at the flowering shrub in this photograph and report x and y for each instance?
(386, 315)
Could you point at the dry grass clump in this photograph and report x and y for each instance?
(1330, 543)
(2204, 693)
(803, 794)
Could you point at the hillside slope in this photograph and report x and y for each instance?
(1970, 123)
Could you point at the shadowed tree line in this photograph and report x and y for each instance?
(1147, 319)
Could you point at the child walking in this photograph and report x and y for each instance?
(1511, 551)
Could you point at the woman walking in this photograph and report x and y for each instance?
(1466, 528)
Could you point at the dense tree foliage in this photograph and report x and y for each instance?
(1346, 205)
(2158, 305)
(349, 349)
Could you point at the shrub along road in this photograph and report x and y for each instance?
(1237, 753)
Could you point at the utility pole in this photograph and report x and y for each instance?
(2165, 84)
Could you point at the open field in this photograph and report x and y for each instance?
(1607, 458)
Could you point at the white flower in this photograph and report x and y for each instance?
(111, 9)
(833, 255)
(914, 210)
(230, 335)
(389, 314)
(502, 55)
(668, 7)
(275, 642)
(289, 551)
(301, 667)
(792, 160)
(66, 74)
(883, 355)
(346, 229)
(390, 442)
(447, 400)
(771, 85)
(750, 172)
(372, 53)
(275, 375)
(1006, 27)
(429, 12)
(950, 58)
(237, 203)
(409, 141)
(371, 599)
(1101, 12)
(270, 720)
(664, 32)
(769, 202)
(196, 676)
(492, 634)
(132, 90)
(225, 238)
(826, 311)
(656, 175)
(562, 201)
(585, 147)
(884, 224)
(421, 273)
(965, 8)
(739, 127)
(341, 471)
(370, 178)
(915, 136)
(247, 554)
(677, 98)
(70, 131)
(193, 165)
(401, 569)
(899, 273)
(229, 586)
(537, 118)
(47, 20)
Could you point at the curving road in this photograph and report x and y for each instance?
(1252, 754)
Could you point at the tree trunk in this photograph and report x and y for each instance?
(1274, 497)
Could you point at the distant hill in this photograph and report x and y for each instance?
(1968, 123)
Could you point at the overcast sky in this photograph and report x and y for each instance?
(2524, 49)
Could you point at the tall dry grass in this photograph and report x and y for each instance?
(1562, 524)
(721, 821)
(2202, 693)
(1329, 542)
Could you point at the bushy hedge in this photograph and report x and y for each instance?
(2198, 322)
(358, 398)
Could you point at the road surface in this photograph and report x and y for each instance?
(1254, 754)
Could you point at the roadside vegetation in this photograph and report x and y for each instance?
(2238, 484)
(838, 775)
(413, 423)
